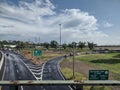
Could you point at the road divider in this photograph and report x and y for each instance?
(1, 59)
(2, 66)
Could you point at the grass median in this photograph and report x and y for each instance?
(109, 61)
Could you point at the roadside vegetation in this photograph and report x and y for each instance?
(109, 61)
(46, 55)
(78, 76)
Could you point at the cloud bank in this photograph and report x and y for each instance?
(39, 18)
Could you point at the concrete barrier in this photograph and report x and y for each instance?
(1, 59)
(2, 64)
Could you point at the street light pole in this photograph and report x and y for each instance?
(73, 62)
(60, 37)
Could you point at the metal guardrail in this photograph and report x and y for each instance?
(78, 85)
(61, 82)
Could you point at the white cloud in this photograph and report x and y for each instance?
(28, 11)
(107, 24)
(29, 21)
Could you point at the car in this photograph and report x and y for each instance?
(7, 54)
(71, 54)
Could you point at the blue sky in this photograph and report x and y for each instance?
(82, 20)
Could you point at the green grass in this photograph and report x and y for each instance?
(69, 74)
(104, 61)
(78, 76)
(109, 61)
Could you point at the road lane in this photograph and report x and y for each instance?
(20, 68)
(16, 70)
(51, 72)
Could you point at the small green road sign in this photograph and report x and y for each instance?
(98, 74)
(37, 52)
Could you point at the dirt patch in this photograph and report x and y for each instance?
(83, 68)
(46, 55)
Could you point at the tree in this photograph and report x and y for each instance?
(70, 45)
(81, 45)
(64, 45)
(46, 45)
(1, 45)
(4, 42)
(54, 44)
(74, 44)
(20, 45)
(91, 45)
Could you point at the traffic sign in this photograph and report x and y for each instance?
(37, 52)
(98, 74)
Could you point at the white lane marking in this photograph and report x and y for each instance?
(39, 78)
(43, 66)
(33, 70)
(59, 69)
(35, 67)
(17, 71)
(37, 73)
(28, 69)
(21, 87)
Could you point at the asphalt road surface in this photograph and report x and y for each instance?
(19, 68)
(52, 72)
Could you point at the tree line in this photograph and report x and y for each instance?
(52, 44)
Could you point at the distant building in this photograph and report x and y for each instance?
(10, 46)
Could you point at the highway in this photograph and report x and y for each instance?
(17, 67)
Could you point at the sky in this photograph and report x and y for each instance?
(81, 20)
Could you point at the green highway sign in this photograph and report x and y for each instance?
(37, 52)
(98, 74)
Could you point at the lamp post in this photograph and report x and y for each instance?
(60, 37)
(73, 61)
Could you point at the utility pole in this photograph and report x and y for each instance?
(60, 37)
